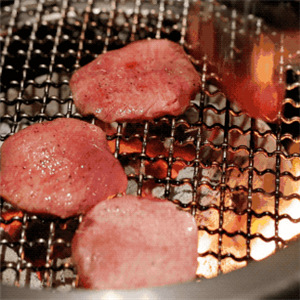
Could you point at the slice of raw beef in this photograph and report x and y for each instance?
(60, 168)
(130, 242)
(144, 80)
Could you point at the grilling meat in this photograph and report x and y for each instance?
(61, 168)
(144, 80)
(130, 242)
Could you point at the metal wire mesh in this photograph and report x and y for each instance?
(213, 161)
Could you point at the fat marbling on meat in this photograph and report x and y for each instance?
(60, 168)
(134, 242)
(144, 80)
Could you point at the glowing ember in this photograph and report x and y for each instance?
(262, 227)
(229, 265)
(293, 210)
(10, 215)
(207, 266)
(288, 230)
(158, 168)
(261, 249)
(13, 228)
(39, 275)
(130, 146)
(205, 241)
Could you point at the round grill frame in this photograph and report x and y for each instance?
(48, 14)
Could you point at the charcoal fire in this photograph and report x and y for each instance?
(239, 177)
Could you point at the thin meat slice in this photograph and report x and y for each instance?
(59, 168)
(144, 80)
(131, 242)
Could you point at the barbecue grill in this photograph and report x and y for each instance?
(238, 176)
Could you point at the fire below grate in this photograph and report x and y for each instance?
(236, 175)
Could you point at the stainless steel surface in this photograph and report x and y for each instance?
(272, 278)
(213, 161)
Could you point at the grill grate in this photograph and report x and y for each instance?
(213, 161)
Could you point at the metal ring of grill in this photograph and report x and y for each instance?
(202, 151)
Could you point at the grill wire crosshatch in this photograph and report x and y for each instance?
(238, 176)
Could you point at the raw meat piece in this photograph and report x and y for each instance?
(144, 80)
(130, 242)
(60, 168)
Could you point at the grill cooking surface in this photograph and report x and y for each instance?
(239, 177)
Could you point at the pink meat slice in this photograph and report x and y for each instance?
(144, 80)
(60, 168)
(130, 242)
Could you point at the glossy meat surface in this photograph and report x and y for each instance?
(60, 168)
(130, 242)
(141, 81)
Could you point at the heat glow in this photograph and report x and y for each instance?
(263, 62)
(14, 227)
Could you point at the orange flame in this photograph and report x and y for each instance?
(259, 248)
(263, 62)
(287, 230)
(259, 90)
